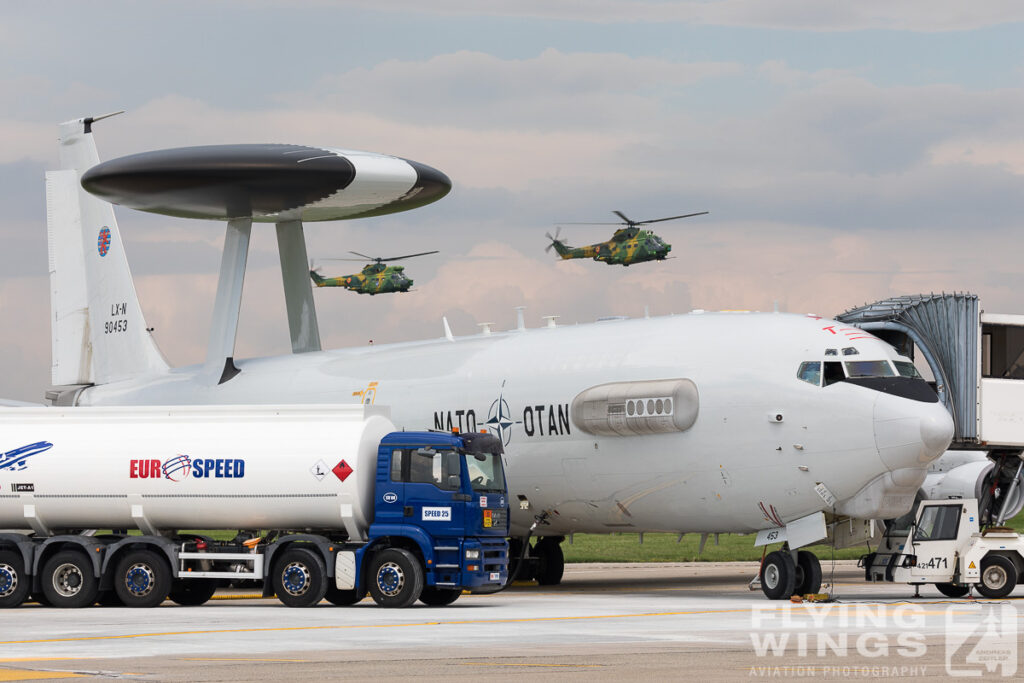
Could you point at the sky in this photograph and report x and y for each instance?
(846, 152)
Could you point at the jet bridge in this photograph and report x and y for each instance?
(977, 359)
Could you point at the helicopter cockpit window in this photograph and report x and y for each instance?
(810, 372)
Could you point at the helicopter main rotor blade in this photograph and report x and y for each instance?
(369, 258)
(623, 217)
(399, 258)
(670, 218)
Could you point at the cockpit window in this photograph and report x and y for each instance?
(810, 372)
(869, 368)
(907, 369)
(833, 372)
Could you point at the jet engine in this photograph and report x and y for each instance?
(973, 474)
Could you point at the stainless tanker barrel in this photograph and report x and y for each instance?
(189, 467)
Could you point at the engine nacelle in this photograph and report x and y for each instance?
(970, 474)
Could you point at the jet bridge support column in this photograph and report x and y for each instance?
(298, 292)
(220, 353)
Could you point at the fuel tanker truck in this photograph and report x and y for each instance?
(327, 502)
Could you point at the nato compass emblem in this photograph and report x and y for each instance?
(103, 241)
(499, 418)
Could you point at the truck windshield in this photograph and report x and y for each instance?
(485, 472)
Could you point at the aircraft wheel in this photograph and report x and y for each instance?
(439, 597)
(68, 580)
(396, 578)
(998, 577)
(953, 590)
(191, 592)
(300, 578)
(550, 561)
(810, 573)
(142, 579)
(14, 584)
(778, 575)
(343, 598)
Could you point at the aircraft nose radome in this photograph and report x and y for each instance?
(936, 430)
(910, 433)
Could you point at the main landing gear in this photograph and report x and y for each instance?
(544, 562)
(785, 573)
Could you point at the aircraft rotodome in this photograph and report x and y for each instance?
(768, 423)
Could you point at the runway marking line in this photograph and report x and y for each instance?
(236, 659)
(27, 675)
(355, 626)
(573, 666)
(465, 622)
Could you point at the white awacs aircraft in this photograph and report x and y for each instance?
(707, 422)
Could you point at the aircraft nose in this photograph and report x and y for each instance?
(910, 433)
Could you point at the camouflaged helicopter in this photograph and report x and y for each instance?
(375, 278)
(628, 245)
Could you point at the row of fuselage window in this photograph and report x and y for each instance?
(813, 372)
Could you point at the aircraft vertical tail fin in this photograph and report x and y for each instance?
(98, 332)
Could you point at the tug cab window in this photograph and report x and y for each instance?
(938, 523)
(810, 372)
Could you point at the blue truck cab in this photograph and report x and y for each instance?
(440, 521)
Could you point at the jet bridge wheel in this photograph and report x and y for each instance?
(998, 576)
(778, 575)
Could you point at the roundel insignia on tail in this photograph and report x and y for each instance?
(103, 241)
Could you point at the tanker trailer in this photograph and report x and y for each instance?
(328, 502)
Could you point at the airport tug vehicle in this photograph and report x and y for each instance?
(945, 546)
(332, 503)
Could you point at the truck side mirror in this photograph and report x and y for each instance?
(908, 561)
(454, 482)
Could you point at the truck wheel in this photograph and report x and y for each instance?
(778, 575)
(810, 571)
(998, 576)
(142, 579)
(14, 584)
(550, 562)
(109, 598)
(191, 592)
(439, 597)
(953, 590)
(68, 580)
(396, 578)
(343, 598)
(300, 578)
